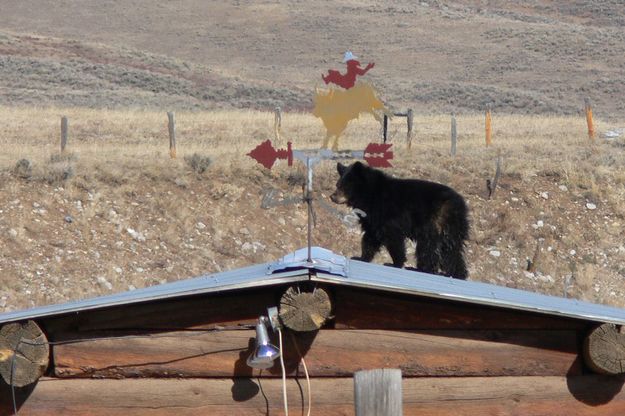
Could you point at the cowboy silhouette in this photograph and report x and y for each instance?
(353, 70)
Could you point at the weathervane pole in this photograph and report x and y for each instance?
(375, 154)
(308, 198)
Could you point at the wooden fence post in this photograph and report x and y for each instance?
(454, 134)
(64, 130)
(172, 134)
(591, 128)
(378, 392)
(277, 122)
(488, 126)
(409, 120)
(385, 128)
(492, 186)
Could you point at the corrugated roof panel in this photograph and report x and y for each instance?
(253, 276)
(379, 277)
(333, 268)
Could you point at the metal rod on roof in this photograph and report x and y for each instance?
(308, 198)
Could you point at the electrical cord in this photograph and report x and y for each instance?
(301, 357)
(11, 378)
(81, 340)
(194, 333)
(286, 405)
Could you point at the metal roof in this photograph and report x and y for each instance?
(329, 267)
(379, 277)
(253, 276)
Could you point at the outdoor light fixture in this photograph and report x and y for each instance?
(265, 353)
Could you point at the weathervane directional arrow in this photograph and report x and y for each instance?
(375, 154)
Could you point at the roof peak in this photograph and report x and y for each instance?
(321, 259)
(336, 269)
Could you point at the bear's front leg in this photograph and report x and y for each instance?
(396, 247)
(370, 246)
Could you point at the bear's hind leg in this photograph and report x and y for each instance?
(452, 260)
(396, 247)
(428, 250)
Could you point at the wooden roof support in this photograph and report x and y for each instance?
(24, 353)
(604, 349)
(304, 311)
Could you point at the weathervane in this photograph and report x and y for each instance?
(345, 99)
(375, 154)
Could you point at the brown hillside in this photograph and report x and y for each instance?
(435, 56)
(116, 213)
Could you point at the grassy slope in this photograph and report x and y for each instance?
(122, 178)
(436, 57)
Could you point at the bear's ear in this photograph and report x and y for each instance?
(358, 166)
(341, 168)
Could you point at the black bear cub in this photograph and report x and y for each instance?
(433, 215)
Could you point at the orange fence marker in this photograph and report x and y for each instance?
(488, 127)
(591, 128)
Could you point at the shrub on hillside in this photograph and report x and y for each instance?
(23, 169)
(198, 162)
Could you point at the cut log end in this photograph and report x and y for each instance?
(604, 350)
(305, 311)
(24, 353)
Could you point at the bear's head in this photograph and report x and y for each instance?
(352, 184)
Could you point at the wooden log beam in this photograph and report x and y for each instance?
(366, 309)
(304, 311)
(378, 392)
(604, 350)
(329, 353)
(200, 312)
(352, 308)
(24, 353)
(589, 395)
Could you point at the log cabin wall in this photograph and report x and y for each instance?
(187, 357)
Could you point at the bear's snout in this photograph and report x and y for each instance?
(338, 197)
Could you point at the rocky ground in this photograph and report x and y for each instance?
(115, 213)
(74, 228)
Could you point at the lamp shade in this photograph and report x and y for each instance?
(264, 353)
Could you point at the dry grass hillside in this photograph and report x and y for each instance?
(115, 212)
(530, 57)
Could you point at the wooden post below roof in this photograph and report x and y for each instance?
(24, 353)
(378, 392)
(604, 350)
(304, 311)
